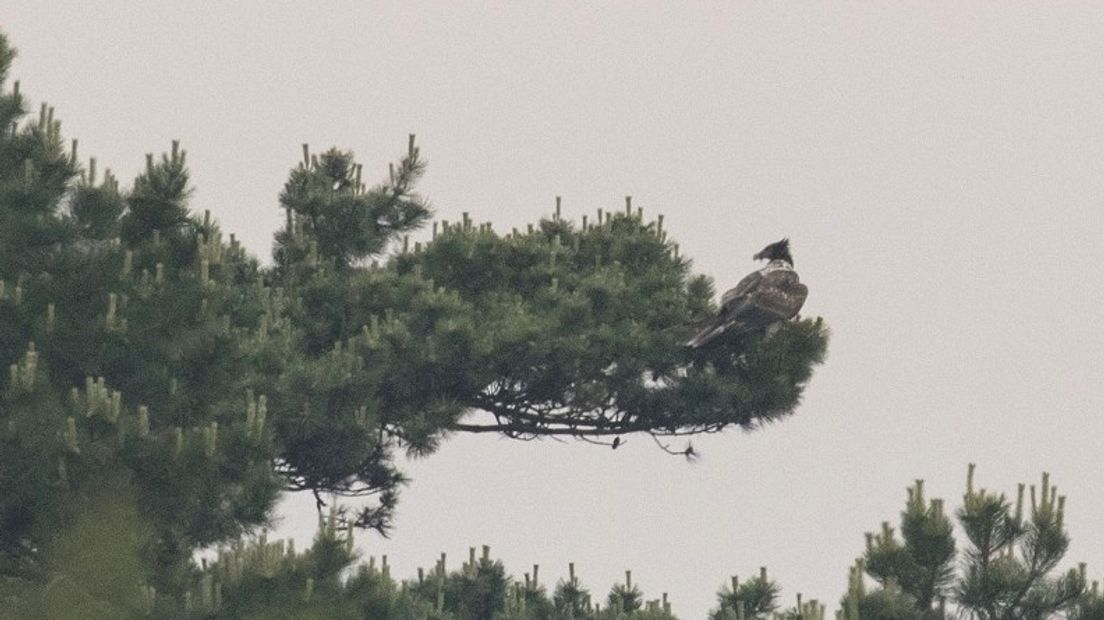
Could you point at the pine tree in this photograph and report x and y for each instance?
(561, 329)
(754, 599)
(159, 374)
(1007, 571)
(125, 328)
(571, 598)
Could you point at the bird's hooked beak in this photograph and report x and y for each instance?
(759, 256)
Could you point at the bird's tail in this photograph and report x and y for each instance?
(706, 336)
(711, 333)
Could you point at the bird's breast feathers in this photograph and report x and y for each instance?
(781, 294)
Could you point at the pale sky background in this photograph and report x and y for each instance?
(939, 170)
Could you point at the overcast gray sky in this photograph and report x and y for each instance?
(939, 170)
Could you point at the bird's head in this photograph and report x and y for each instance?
(779, 250)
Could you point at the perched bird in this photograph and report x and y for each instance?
(762, 298)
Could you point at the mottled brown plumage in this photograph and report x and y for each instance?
(762, 298)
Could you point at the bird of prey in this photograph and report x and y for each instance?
(764, 297)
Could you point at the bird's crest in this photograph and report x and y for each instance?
(779, 250)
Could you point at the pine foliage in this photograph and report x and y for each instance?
(1008, 569)
(755, 599)
(151, 362)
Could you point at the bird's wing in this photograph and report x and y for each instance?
(732, 302)
(741, 290)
